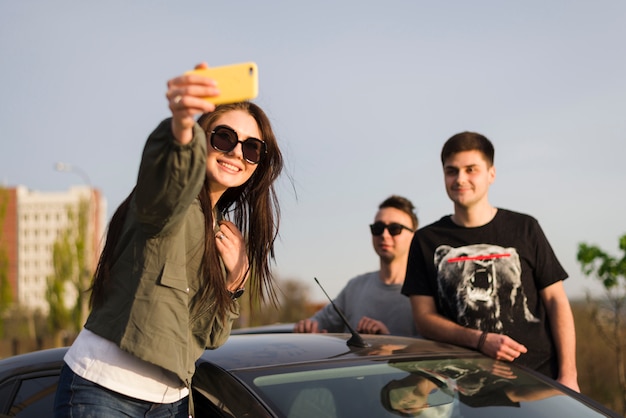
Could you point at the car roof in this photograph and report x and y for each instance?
(260, 350)
(264, 329)
(270, 349)
(32, 362)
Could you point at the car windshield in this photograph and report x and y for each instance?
(474, 387)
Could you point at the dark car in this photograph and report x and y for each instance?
(320, 375)
(279, 328)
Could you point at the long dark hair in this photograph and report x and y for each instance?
(253, 207)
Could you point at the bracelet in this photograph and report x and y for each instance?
(481, 341)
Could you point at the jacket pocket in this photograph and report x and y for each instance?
(174, 276)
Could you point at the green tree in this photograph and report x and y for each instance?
(84, 269)
(67, 286)
(609, 314)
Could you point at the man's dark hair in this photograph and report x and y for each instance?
(403, 204)
(468, 141)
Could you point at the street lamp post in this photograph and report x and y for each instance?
(74, 169)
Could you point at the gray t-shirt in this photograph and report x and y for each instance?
(366, 295)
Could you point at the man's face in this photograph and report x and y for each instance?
(467, 177)
(390, 247)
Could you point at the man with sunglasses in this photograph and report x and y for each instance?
(372, 302)
(487, 278)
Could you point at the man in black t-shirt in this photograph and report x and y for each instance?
(487, 278)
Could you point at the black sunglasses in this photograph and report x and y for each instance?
(225, 139)
(394, 228)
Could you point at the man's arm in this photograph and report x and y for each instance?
(434, 326)
(563, 332)
(430, 324)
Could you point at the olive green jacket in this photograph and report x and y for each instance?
(157, 268)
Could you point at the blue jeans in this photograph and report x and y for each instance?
(79, 398)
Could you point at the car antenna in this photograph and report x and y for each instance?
(355, 340)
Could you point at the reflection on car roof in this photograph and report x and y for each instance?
(259, 350)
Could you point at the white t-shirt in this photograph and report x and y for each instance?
(101, 361)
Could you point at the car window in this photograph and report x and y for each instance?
(35, 397)
(313, 403)
(337, 392)
(6, 394)
(218, 394)
(474, 387)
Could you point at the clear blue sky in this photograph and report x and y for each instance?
(362, 95)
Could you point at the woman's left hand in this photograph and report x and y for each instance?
(232, 248)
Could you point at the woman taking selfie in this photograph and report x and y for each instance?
(172, 268)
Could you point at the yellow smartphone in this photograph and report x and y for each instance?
(237, 82)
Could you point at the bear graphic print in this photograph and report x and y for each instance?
(480, 286)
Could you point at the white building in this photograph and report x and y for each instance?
(33, 222)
